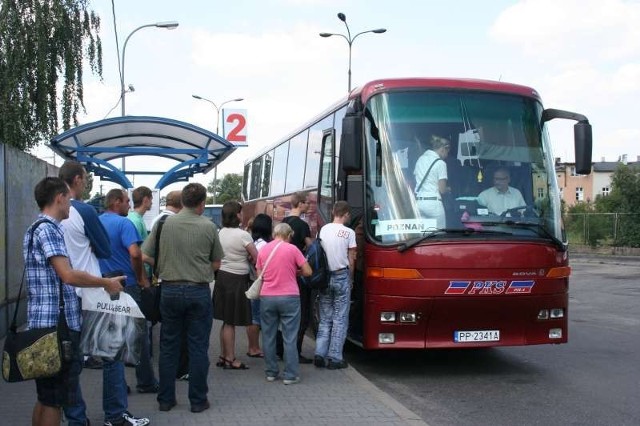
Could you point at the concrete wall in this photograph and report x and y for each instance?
(19, 173)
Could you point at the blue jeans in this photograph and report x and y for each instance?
(144, 371)
(334, 316)
(188, 308)
(283, 311)
(114, 390)
(76, 414)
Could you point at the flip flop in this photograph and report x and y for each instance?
(228, 365)
(258, 355)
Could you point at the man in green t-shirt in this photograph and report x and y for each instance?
(142, 200)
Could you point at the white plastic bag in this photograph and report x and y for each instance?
(469, 140)
(112, 329)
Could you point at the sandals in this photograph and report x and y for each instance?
(228, 365)
(220, 362)
(257, 355)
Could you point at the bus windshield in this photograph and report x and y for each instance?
(497, 178)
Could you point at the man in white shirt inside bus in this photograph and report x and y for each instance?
(501, 197)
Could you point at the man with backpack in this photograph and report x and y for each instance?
(339, 244)
(301, 239)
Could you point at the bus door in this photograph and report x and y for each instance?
(326, 181)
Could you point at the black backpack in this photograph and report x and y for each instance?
(317, 259)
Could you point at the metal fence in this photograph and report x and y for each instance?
(603, 229)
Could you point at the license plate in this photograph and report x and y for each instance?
(476, 336)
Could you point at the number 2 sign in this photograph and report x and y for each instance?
(234, 126)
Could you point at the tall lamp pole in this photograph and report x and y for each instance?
(218, 109)
(169, 25)
(350, 39)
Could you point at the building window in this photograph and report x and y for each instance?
(579, 194)
(605, 191)
(573, 171)
(540, 193)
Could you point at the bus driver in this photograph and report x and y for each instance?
(501, 197)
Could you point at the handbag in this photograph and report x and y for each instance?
(150, 303)
(254, 291)
(40, 352)
(150, 296)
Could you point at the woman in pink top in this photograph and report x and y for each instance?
(280, 302)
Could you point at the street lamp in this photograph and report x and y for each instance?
(350, 39)
(169, 25)
(218, 109)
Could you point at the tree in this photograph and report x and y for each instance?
(42, 41)
(624, 198)
(227, 189)
(86, 194)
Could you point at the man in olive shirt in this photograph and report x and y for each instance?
(189, 253)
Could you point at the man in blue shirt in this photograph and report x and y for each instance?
(47, 267)
(126, 256)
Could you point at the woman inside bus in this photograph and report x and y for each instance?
(431, 180)
(230, 305)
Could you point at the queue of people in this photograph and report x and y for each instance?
(184, 250)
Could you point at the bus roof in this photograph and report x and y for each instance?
(373, 87)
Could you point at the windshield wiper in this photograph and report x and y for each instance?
(540, 230)
(460, 231)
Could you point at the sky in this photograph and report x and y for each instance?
(580, 55)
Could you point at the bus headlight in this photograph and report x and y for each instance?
(555, 333)
(386, 338)
(556, 313)
(408, 317)
(543, 314)
(387, 317)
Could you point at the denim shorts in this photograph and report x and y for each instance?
(255, 312)
(62, 390)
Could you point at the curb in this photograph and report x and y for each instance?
(604, 259)
(403, 412)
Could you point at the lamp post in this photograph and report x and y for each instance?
(169, 25)
(350, 39)
(218, 109)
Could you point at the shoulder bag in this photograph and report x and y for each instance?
(150, 296)
(254, 291)
(427, 174)
(40, 352)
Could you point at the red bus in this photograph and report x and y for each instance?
(480, 278)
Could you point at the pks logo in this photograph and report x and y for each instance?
(490, 287)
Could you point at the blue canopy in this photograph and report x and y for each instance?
(95, 144)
